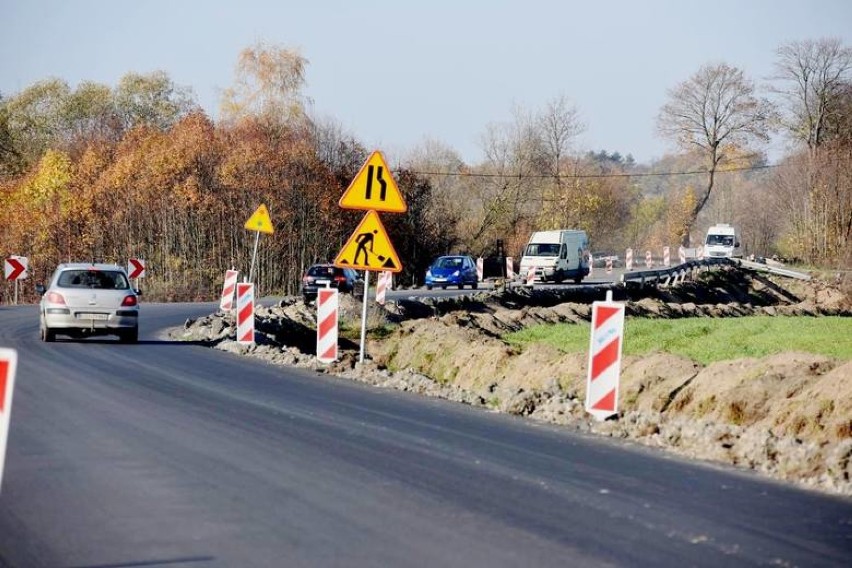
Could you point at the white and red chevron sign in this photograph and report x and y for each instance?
(245, 313)
(327, 308)
(135, 268)
(605, 359)
(226, 303)
(15, 267)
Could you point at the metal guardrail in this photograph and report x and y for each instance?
(672, 274)
(760, 267)
(676, 274)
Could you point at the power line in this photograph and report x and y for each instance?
(587, 176)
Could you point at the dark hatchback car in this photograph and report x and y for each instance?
(344, 279)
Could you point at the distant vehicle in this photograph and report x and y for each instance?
(457, 270)
(84, 300)
(346, 280)
(556, 256)
(599, 259)
(722, 241)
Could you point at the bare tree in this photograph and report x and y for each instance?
(713, 112)
(813, 76)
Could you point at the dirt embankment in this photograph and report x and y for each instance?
(788, 415)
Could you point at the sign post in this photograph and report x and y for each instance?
(369, 248)
(8, 365)
(260, 223)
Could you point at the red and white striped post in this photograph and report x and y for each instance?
(531, 276)
(609, 266)
(245, 313)
(667, 259)
(605, 358)
(699, 252)
(8, 365)
(510, 268)
(383, 283)
(681, 254)
(327, 307)
(628, 260)
(226, 303)
(649, 260)
(480, 268)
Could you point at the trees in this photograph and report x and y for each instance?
(812, 77)
(814, 80)
(267, 85)
(713, 112)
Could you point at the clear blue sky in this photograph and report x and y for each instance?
(396, 72)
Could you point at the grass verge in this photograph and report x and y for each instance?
(706, 340)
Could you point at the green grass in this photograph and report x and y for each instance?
(707, 340)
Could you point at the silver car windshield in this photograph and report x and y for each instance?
(97, 279)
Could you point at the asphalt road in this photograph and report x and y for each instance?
(169, 454)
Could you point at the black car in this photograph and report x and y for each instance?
(344, 279)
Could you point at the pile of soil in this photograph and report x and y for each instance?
(788, 416)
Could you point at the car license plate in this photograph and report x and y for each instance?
(440, 279)
(92, 316)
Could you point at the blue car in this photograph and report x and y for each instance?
(452, 271)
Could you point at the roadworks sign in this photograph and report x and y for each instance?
(369, 248)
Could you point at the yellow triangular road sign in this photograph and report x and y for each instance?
(374, 188)
(369, 248)
(260, 221)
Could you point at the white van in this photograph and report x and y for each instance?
(556, 256)
(722, 241)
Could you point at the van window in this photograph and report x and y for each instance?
(724, 240)
(542, 249)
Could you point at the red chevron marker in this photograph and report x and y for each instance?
(136, 267)
(16, 268)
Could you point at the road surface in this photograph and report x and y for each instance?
(170, 454)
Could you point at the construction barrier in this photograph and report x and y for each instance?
(605, 358)
(510, 268)
(480, 268)
(649, 259)
(667, 259)
(628, 260)
(608, 266)
(327, 308)
(245, 313)
(383, 283)
(531, 276)
(226, 303)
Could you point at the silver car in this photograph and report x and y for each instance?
(83, 300)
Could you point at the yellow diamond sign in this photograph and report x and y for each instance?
(374, 188)
(260, 221)
(369, 248)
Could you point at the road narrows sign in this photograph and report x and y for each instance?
(605, 359)
(374, 188)
(260, 221)
(369, 248)
(8, 366)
